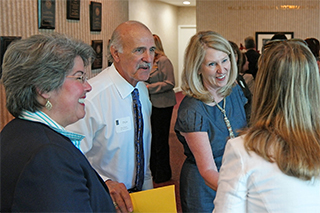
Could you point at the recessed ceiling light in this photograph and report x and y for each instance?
(186, 2)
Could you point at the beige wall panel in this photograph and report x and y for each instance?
(237, 19)
(187, 16)
(20, 18)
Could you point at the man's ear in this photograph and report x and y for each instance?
(115, 54)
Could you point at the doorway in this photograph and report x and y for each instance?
(185, 32)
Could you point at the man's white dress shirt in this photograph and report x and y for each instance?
(108, 128)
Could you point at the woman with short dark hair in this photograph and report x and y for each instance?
(42, 166)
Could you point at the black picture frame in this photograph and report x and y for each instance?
(73, 9)
(97, 45)
(5, 41)
(263, 37)
(95, 16)
(46, 14)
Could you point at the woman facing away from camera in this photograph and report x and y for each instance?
(275, 165)
(211, 112)
(42, 167)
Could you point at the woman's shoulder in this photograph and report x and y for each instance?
(189, 102)
(237, 143)
(26, 126)
(235, 149)
(236, 89)
(191, 115)
(194, 110)
(238, 94)
(163, 60)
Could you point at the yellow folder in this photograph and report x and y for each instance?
(160, 199)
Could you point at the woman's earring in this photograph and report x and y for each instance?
(48, 105)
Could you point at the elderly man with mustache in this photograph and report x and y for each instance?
(114, 136)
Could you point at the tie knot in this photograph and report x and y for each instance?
(135, 94)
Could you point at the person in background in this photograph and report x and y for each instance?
(279, 36)
(241, 63)
(314, 46)
(211, 112)
(252, 55)
(42, 168)
(248, 78)
(160, 85)
(274, 166)
(117, 124)
(237, 54)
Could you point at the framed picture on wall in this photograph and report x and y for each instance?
(95, 16)
(98, 47)
(4, 43)
(46, 14)
(73, 9)
(263, 37)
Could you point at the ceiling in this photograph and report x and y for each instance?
(179, 2)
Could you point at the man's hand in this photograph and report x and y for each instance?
(120, 196)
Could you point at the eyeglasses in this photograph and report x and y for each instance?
(277, 41)
(82, 78)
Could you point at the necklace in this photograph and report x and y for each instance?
(225, 118)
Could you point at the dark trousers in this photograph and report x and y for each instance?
(160, 155)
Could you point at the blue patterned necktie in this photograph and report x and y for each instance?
(138, 139)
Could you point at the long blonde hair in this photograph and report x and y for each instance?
(195, 53)
(285, 119)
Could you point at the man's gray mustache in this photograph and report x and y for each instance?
(145, 65)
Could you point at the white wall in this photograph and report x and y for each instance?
(163, 19)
